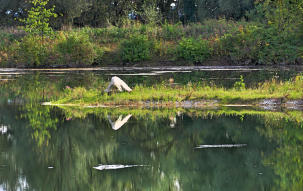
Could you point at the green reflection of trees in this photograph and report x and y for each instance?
(41, 121)
(79, 143)
(281, 128)
(74, 140)
(286, 159)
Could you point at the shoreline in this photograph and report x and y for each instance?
(160, 68)
(266, 104)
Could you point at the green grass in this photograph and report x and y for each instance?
(168, 95)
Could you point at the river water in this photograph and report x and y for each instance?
(72, 148)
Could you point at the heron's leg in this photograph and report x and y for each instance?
(109, 87)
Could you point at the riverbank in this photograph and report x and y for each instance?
(213, 42)
(275, 93)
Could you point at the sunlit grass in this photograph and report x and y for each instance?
(273, 89)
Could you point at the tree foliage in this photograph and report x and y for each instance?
(37, 21)
(284, 14)
(116, 12)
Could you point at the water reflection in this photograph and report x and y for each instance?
(73, 147)
(116, 166)
(119, 122)
(50, 148)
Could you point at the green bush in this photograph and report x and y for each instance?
(73, 49)
(32, 51)
(277, 47)
(137, 48)
(6, 42)
(108, 35)
(172, 32)
(165, 49)
(76, 48)
(257, 44)
(237, 42)
(196, 50)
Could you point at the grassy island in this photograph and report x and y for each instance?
(200, 95)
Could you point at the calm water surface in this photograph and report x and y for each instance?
(50, 148)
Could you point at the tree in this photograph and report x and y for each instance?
(10, 9)
(223, 8)
(37, 21)
(72, 9)
(150, 14)
(284, 14)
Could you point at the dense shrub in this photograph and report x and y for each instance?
(6, 40)
(76, 48)
(33, 51)
(277, 47)
(172, 32)
(61, 49)
(196, 50)
(257, 44)
(239, 46)
(137, 48)
(5, 43)
(151, 31)
(165, 49)
(236, 42)
(108, 35)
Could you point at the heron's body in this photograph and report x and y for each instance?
(120, 84)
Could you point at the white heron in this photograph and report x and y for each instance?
(119, 123)
(120, 84)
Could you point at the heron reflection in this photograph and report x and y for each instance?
(119, 122)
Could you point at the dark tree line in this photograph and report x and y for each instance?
(100, 13)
